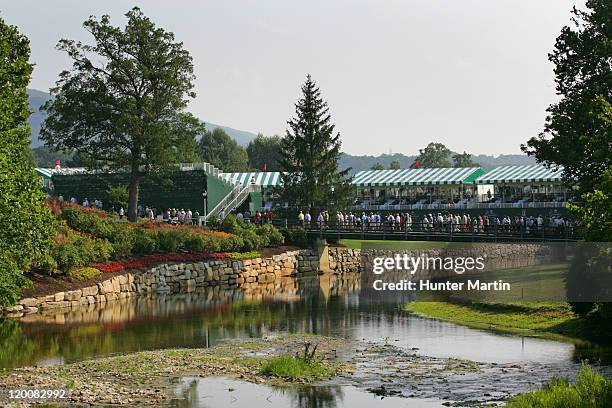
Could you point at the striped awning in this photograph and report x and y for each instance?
(45, 173)
(263, 179)
(521, 174)
(414, 177)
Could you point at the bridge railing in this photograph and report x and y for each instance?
(425, 230)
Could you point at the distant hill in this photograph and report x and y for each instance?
(359, 163)
(38, 98)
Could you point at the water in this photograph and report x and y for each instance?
(226, 393)
(329, 305)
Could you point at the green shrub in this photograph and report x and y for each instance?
(244, 255)
(592, 390)
(45, 264)
(88, 222)
(274, 236)
(11, 281)
(195, 243)
(295, 236)
(144, 242)
(83, 274)
(79, 250)
(169, 240)
(213, 244)
(122, 239)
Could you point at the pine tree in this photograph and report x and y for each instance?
(310, 152)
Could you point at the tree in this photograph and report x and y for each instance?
(377, 166)
(464, 160)
(122, 103)
(575, 134)
(26, 225)
(265, 152)
(309, 155)
(395, 165)
(220, 150)
(434, 155)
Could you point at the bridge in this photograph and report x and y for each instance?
(446, 233)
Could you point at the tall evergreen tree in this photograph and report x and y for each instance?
(310, 152)
(26, 225)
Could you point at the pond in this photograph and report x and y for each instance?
(195, 392)
(326, 305)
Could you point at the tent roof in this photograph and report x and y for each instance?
(521, 174)
(413, 177)
(263, 179)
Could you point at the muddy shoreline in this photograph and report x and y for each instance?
(149, 378)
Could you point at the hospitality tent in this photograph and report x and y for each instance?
(417, 177)
(521, 174)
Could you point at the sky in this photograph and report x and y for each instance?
(397, 74)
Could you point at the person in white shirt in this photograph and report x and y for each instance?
(222, 214)
(307, 219)
(121, 213)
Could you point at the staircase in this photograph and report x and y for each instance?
(233, 199)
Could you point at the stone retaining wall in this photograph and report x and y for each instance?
(498, 255)
(175, 278)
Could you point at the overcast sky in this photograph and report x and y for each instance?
(472, 74)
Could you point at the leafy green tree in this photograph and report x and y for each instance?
(464, 160)
(118, 196)
(309, 155)
(575, 133)
(26, 225)
(377, 166)
(434, 155)
(122, 104)
(219, 149)
(265, 151)
(395, 165)
(594, 211)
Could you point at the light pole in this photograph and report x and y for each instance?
(204, 194)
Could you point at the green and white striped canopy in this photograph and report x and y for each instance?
(45, 173)
(263, 179)
(416, 177)
(521, 174)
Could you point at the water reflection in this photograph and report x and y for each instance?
(222, 392)
(328, 305)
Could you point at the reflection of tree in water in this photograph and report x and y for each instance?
(316, 396)
(198, 319)
(13, 343)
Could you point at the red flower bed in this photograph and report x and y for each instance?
(150, 260)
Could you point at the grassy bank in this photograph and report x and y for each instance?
(526, 318)
(534, 306)
(591, 390)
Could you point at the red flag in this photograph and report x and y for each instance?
(417, 163)
(265, 167)
(57, 162)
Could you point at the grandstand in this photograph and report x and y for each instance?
(505, 187)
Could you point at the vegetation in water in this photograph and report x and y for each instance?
(591, 390)
(300, 366)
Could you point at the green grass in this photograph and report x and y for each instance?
(295, 368)
(591, 390)
(526, 316)
(393, 245)
(534, 306)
